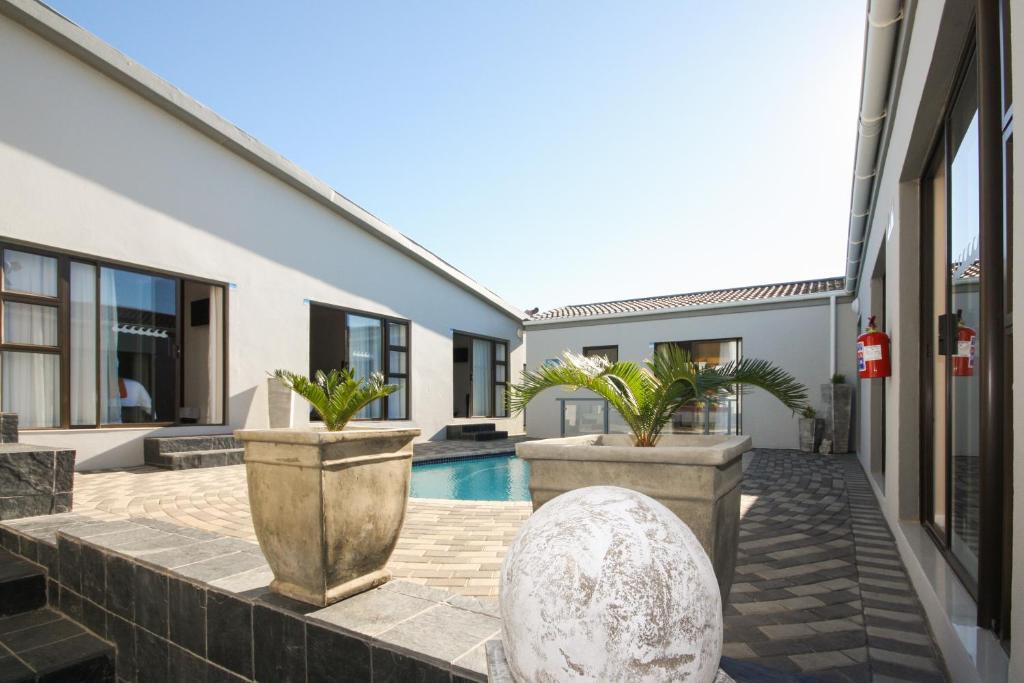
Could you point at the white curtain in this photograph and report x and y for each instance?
(483, 381)
(83, 344)
(364, 354)
(31, 381)
(215, 366)
(110, 390)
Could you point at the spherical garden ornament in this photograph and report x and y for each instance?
(607, 584)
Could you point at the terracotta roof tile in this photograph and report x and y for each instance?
(716, 296)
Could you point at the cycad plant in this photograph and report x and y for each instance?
(338, 395)
(647, 395)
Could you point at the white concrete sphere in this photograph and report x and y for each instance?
(607, 584)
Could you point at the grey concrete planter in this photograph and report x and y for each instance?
(327, 506)
(811, 431)
(838, 399)
(697, 477)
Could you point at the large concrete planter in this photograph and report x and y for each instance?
(697, 477)
(811, 431)
(327, 506)
(838, 399)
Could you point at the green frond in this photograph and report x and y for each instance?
(337, 396)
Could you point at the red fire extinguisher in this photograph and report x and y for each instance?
(966, 348)
(873, 353)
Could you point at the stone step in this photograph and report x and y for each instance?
(485, 436)
(35, 480)
(196, 459)
(22, 586)
(162, 445)
(463, 431)
(43, 645)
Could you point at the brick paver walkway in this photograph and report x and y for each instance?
(819, 586)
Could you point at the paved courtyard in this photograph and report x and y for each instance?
(819, 587)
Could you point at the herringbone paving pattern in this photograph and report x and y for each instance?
(819, 585)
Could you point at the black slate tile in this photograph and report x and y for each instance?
(80, 658)
(94, 618)
(13, 671)
(64, 474)
(94, 574)
(392, 667)
(187, 615)
(23, 620)
(279, 646)
(151, 600)
(120, 587)
(71, 604)
(40, 635)
(215, 674)
(151, 657)
(46, 555)
(122, 634)
(334, 656)
(185, 666)
(70, 553)
(228, 621)
(22, 594)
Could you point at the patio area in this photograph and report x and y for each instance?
(819, 585)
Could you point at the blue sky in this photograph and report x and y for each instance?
(558, 152)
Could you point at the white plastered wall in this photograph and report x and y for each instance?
(88, 166)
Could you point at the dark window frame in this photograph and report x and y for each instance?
(63, 349)
(385, 360)
(492, 400)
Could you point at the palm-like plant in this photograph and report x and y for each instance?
(337, 396)
(647, 395)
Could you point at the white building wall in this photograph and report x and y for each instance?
(795, 337)
(88, 166)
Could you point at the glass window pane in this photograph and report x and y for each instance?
(396, 363)
(499, 351)
(30, 273)
(398, 401)
(499, 400)
(30, 324)
(499, 373)
(138, 346)
(397, 334)
(364, 355)
(31, 387)
(83, 344)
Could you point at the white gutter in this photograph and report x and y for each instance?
(53, 27)
(675, 310)
(832, 335)
(880, 40)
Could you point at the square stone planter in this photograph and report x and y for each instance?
(695, 476)
(811, 431)
(327, 507)
(838, 399)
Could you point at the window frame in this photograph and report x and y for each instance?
(493, 412)
(739, 356)
(63, 349)
(385, 350)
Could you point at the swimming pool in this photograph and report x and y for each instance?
(493, 477)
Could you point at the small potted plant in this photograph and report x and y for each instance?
(328, 504)
(838, 398)
(811, 429)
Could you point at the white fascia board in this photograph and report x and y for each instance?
(679, 310)
(88, 48)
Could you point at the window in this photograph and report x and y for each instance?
(366, 343)
(609, 352)
(85, 344)
(480, 376)
(723, 415)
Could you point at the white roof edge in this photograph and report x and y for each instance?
(55, 28)
(797, 298)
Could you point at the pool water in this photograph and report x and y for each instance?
(497, 477)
